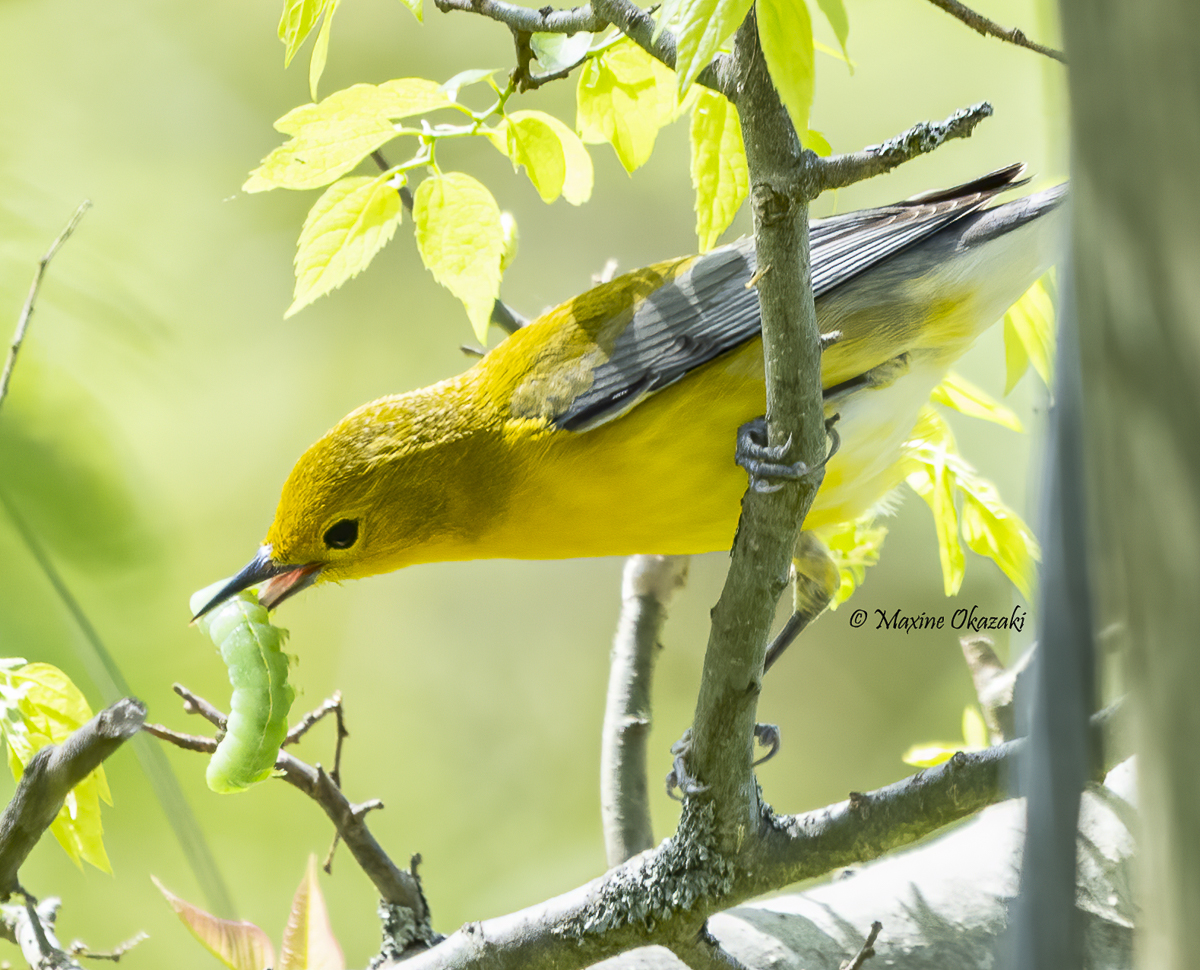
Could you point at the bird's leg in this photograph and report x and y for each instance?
(763, 462)
(815, 579)
(678, 777)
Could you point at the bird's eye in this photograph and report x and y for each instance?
(342, 535)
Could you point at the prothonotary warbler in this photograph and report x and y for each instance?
(607, 426)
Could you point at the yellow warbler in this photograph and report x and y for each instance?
(607, 426)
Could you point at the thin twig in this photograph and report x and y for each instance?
(394, 885)
(989, 28)
(80, 949)
(195, 704)
(866, 951)
(31, 298)
(331, 705)
(188, 742)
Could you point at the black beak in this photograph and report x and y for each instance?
(260, 569)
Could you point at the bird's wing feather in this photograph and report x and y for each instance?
(707, 308)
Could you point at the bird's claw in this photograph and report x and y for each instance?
(764, 462)
(769, 737)
(678, 776)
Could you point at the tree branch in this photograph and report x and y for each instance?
(648, 585)
(665, 896)
(626, 16)
(989, 28)
(722, 733)
(30, 925)
(395, 886)
(50, 776)
(838, 171)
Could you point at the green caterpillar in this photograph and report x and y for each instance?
(262, 697)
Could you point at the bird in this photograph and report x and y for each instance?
(607, 425)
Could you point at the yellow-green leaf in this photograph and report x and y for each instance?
(237, 944)
(719, 173)
(834, 53)
(553, 156)
(624, 97)
(930, 755)
(331, 137)
(975, 738)
(52, 707)
(959, 393)
(308, 940)
(700, 28)
(461, 241)
(415, 7)
(298, 19)
(316, 66)
(815, 141)
(992, 529)
(975, 732)
(346, 227)
(1029, 335)
(785, 32)
(853, 546)
(465, 79)
(839, 20)
(933, 479)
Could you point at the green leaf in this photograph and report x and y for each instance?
(331, 137)
(959, 393)
(1029, 334)
(316, 66)
(557, 52)
(839, 20)
(785, 32)
(415, 7)
(299, 18)
(346, 227)
(719, 173)
(308, 940)
(237, 944)
(553, 156)
(853, 546)
(51, 707)
(461, 241)
(624, 97)
(700, 28)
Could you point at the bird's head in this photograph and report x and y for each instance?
(364, 499)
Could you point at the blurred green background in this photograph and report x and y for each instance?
(161, 400)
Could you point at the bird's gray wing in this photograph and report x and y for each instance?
(709, 309)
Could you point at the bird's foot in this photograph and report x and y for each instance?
(678, 776)
(769, 737)
(764, 462)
